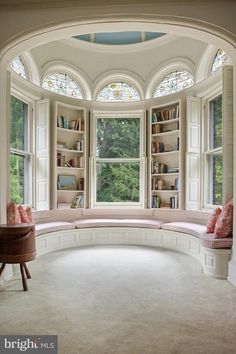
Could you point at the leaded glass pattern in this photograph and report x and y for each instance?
(218, 60)
(117, 92)
(18, 66)
(174, 82)
(62, 84)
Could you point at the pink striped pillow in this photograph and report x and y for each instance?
(212, 220)
(13, 215)
(224, 224)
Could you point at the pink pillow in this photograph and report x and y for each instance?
(212, 220)
(224, 224)
(23, 215)
(13, 215)
(29, 213)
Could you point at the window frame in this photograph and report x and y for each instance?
(141, 159)
(208, 151)
(29, 152)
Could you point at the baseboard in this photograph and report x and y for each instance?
(232, 272)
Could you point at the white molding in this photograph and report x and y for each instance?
(31, 67)
(75, 73)
(213, 261)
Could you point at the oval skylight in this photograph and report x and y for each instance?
(119, 38)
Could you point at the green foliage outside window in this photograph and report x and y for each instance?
(118, 138)
(17, 142)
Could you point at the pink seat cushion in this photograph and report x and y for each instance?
(209, 241)
(46, 227)
(186, 227)
(139, 223)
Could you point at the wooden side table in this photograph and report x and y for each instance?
(17, 245)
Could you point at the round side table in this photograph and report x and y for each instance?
(17, 245)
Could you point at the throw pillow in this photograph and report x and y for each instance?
(13, 215)
(29, 213)
(23, 215)
(224, 224)
(212, 220)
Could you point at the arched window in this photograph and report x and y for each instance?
(62, 84)
(173, 82)
(117, 92)
(218, 60)
(18, 66)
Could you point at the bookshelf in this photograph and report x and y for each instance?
(69, 156)
(166, 156)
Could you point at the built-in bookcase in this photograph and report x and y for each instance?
(165, 156)
(69, 156)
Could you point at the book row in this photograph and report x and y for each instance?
(77, 162)
(161, 184)
(158, 147)
(76, 124)
(165, 115)
(172, 204)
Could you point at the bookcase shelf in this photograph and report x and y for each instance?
(69, 154)
(171, 132)
(165, 157)
(67, 130)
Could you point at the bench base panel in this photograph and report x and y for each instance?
(214, 261)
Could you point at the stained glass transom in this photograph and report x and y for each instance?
(174, 82)
(219, 60)
(62, 84)
(18, 66)
(118, 91)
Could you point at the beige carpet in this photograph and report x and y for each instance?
(122, 300)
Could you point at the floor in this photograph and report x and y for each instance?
(122, 300)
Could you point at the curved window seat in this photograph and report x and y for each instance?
(189, 238)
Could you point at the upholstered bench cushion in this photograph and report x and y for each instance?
(139, 223)
(208, 240)
(186, 227)
(46, 227)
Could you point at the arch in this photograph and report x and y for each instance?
(118, 76)
(75, 73)
(155, 77)
(60, 27)
(32, 68)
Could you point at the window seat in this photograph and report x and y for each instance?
(57, 230)
(197, 230)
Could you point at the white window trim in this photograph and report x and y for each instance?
(207, 151)
(142, 160)
(30, 151)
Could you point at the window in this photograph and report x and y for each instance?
(62, 84)
(18, 66)
(173, 82)
(214, 157)
(118, 161)
(218, 60)
(20, 157)
(118, 92)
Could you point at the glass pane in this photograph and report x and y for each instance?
(216, 176)
(19, 112)
(118, 182)
(18, 66)
(63, 85)
(117, 92)
(219, 60)
(118, 138)
(216, 123)
(18, 178)
(174, 82)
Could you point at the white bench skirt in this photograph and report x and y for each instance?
(214, 261)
